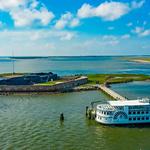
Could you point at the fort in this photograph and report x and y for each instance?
(58, 87)
(29, 79)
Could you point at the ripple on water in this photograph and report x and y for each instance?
(32, 122)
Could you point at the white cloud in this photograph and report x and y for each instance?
(145, 32)
(108, 11)
(109, 37)
(86, 11)
(110, 40)
(11, 4)
(35, 42)
(60, 24)
(140, 31)
(66, 35)
(67, 20)
(125, 36)
(136, 4)
(27, 17)
(45, 34)
(75, 22)
(27, 12)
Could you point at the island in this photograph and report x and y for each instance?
(140, 59)
(49, 83)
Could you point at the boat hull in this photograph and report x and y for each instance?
(121, 122)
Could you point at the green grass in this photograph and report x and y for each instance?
(97, 78)
(49, 83)
(116, 78)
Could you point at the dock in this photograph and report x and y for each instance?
(111, 93)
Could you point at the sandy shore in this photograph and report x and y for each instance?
(140, 61)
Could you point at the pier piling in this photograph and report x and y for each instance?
(61, 117)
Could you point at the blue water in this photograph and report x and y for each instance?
(133, 90)
(32, 122)
(75, 65)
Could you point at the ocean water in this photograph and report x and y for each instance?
(75, 65)
(32, 122)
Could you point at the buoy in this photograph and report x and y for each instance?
(61, 117)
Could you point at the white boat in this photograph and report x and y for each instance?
(124, 112)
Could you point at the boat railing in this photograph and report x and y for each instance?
(145, 100)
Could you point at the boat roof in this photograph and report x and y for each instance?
(105, 107)
(139, 102)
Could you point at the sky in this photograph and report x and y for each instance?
(74, 27)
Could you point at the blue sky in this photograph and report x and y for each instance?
(74, 27)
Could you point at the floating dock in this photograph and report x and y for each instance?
(111, 93)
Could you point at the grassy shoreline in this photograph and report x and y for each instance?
(116, 78)
(94, 78)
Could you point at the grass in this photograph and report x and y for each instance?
(116, 78)
(96, 78)
(49, 83)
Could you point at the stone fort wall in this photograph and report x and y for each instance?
(60, 87)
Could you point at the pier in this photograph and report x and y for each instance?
(111, 93)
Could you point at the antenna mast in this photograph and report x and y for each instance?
(13, 63)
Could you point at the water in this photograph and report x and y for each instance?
(32, 122)
(75, 65)
(133, 90)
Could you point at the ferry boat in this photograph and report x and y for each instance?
(124, 112)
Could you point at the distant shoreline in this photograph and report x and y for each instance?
(141, 61)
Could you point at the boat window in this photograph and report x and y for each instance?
(138, 112)
(147, 118)
(130, 118)
(142, 118)
(129, 112)
(142, 112)
(138, 118)
(134, 118)
(146, 112)
(134, 112)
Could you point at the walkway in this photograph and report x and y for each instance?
(111, 93)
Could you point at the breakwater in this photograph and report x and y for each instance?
(60, 87)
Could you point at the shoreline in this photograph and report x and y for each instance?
(75, 89)
(140, 61)
(82, 83)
